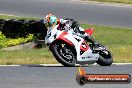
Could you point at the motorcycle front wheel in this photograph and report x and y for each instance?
(105, 58)
(64, 54)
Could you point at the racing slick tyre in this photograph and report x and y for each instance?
(64, 54)
(105, 58)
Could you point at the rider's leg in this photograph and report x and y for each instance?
(87, 37)
(81, 32)
(90, 39)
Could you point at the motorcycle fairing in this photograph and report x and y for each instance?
(84, 46)
(75, 41)
(89, 31)
(87, 55)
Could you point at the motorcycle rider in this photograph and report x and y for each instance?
(51, 21)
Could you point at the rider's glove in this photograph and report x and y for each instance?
(67, 27)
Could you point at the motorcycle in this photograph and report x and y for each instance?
(70, 49)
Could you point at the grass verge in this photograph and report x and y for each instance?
(3, 16)
(113, 1)
(27, 56)
(118, 40)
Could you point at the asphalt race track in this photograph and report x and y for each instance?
(84, 12)
(57, 76)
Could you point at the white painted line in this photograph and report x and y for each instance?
(17, 16)
(9, 65)
(62, 65)
(105, 3)
(122, 63)
(10, 15)
(46, 65)
(51, 64)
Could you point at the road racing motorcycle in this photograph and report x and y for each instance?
(69, 49)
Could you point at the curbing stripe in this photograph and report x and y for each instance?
(52, 65)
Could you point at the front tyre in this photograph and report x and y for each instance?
(64, 54)
(105, 58)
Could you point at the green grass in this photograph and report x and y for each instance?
(27, 56)
(113, 1)
(16, 17)
(118, 40)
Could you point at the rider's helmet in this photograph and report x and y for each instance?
(50, 20)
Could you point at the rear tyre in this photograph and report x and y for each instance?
(105, 58)
(64, 54)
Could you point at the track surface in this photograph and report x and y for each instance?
(84, 12)
(56, 77)
(63, 77)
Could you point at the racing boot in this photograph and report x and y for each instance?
(95, 44)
